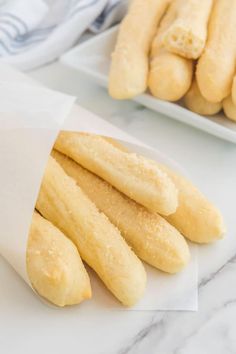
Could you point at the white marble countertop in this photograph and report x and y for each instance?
(28, 326)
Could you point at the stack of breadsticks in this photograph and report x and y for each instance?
(178, 49)
(110, 207)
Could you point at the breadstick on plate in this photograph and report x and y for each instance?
(216, 67)
(233, 93)
(196, 218)
(187, 34)
(129, 64)
(99, 242)
(229, 108)
(170, 75)
(54, 265)
(131, 174)
(197, 103)
(151, 237)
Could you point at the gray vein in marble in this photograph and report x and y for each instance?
(211, 315)
(159, 325)
(144, 333)
(212, 276)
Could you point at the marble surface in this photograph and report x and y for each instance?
(28, 326)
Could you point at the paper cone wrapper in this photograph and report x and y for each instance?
(31, 117)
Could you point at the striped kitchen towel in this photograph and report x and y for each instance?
(36, 32)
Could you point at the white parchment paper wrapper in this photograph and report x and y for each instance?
(30, 119)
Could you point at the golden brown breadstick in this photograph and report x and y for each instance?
(196, 218)
(99, 242)
(198, 104)
(187, 34)
(151, 237)
(233, 93)
(129, 65)
(54, 266)
(229, 108)
(170, 75)
(116, 144)
(131, 174)
(216, 67)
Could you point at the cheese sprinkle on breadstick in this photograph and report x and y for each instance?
(132, 174)
(54, 265)
(196, 218)
(151, 237)
(99, 242)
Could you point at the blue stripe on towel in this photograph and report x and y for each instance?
(25, 41)
(14, 47)
(15, 52)
(111, 8)
(102, 18)
(22, 42)
(9, 23)
(16, 18)
(30, 39)
(35, 33)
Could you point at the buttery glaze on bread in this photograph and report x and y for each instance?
(216, 67)
(132, 174)
(187, 34)
(197, 103)
(170, 75)
(151, 237)
(129, 65)
(54, 266)
(99, 242)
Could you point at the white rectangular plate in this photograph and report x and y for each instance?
(93, 58)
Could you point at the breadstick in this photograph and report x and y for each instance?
(129, 65)
(216, 67)
(233, 93)
(151, 237)
(196, 218)
(170, 75)
(54, 266)
(99, 242)
(198, 104)
(116, 144)
(131, 174)
(229, 108)
(187, 34)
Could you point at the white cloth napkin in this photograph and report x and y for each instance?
(35, 32)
